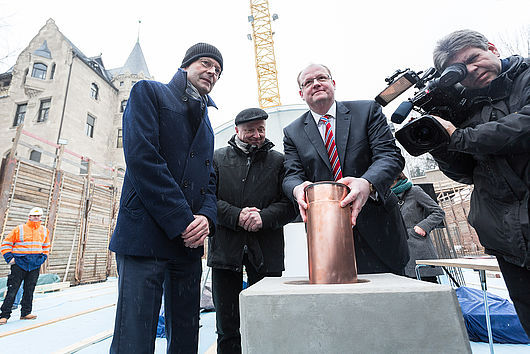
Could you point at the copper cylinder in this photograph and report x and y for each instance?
(329, 235)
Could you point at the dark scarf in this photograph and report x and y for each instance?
(401, 186)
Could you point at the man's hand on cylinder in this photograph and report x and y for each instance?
(299, 195)
(359, 193)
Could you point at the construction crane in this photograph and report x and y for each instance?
(268, 92)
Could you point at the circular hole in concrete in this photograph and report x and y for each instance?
(306, 282)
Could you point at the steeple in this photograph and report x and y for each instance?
(136, 62)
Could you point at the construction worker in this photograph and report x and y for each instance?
(24, 249)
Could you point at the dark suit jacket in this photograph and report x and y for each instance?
(366, 149)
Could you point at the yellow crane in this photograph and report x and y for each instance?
(268, 92)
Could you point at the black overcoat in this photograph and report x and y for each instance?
(253, 180)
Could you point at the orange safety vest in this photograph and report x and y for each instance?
(28, 238)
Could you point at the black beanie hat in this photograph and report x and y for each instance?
(251, 114)
(201, 50)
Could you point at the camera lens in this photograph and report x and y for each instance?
(422, 135)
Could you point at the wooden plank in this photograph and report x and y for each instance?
(86, 342)
(58, 319)
(468, 263)
(44, 288)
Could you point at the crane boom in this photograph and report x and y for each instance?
(268, 92)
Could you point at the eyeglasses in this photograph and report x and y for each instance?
(309, 82)
(208, 64)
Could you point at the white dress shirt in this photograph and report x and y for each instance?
(332, 112)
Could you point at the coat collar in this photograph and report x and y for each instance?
(267, 145)
(178, 85)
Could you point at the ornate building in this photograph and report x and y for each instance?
(64, 97)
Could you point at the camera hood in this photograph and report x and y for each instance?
(422, 135)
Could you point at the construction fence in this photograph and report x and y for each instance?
(80, 210)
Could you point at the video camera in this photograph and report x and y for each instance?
(439, 95)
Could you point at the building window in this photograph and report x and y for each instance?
(44, 110)
(121, 83)
(35, 155)
(123, 105)
(21, 113)
(39, 71)
(89, 128)
(94, 91)
(119, 141)
(83, 170)
(133, 82)
(52, 72)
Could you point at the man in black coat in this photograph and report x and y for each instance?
(251, 213)
(490, 148)
(167, 205)
(368, 162)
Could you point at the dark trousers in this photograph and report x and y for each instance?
(226, 286)
(141, 281)
(14, 279)
(367, 261)
(517, 281)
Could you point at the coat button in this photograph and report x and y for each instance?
(185, 98)
(185, 184)
(207, 162)
(203, 191)
(192, 154)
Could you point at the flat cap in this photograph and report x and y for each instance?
(250, 114)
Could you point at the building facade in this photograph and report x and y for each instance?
(65, 97)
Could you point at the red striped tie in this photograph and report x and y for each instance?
(331, 148)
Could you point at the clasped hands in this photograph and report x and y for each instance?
(359, 193)
(250, 219)
(196, 232)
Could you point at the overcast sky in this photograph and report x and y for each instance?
(361, 42)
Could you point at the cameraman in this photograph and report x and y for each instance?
(491, 149)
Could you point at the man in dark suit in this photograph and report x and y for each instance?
(368, 162)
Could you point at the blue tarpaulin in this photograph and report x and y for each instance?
(161, 327)
(505, 325)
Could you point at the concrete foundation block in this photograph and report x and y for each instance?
(384, 313)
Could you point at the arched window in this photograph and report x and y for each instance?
(94, 91)
(39, 71)
(35, 155)
(123, 105)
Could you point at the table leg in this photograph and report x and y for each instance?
(417, 269)
(482, 274)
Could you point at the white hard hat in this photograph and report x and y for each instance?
(36, 211)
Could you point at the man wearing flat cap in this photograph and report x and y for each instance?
(251, 213)
(167, 205)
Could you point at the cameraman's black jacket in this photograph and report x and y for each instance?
(492, 151)
(249, 180)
